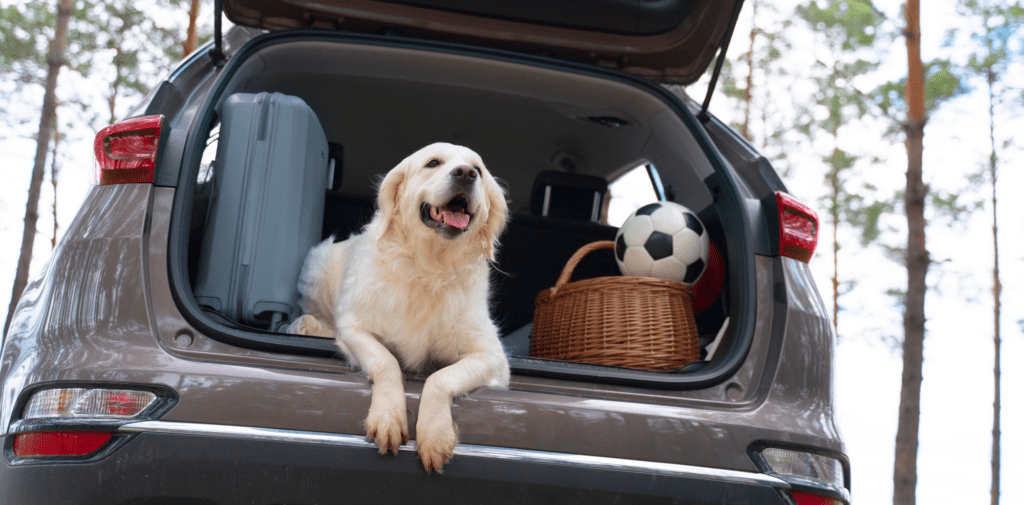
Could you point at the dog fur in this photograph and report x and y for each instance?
(411, 291)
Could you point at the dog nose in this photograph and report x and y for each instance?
(464, 174)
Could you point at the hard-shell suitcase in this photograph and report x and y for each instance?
(270, 175)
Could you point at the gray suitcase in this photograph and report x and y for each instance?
(270, 175)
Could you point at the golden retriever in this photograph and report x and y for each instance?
(411, 290)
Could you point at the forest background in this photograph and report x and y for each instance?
(818, 86)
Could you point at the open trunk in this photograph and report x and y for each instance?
(378, 100)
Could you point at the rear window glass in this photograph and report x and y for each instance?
(628, 193)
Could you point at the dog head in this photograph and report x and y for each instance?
(444, 190)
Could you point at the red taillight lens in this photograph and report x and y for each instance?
(798, 228)
(813, 499)
(59, 443)
(126, 151)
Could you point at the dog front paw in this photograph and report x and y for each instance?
(387, 426)
(311, 326)
(436, 437)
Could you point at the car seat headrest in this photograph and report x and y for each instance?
(563, 195)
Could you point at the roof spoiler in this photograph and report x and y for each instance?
(703, 115)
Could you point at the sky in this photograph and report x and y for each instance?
(957, 391)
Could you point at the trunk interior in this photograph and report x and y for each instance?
(378, 103)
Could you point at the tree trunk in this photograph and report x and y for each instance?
(905, 468)
(748, 92)
(997, 289)
(834, 209)
(47, 122)
(191, 38)
(53, 181)
(112, 99)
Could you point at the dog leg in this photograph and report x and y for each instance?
(386, 424)
(436, 433)
(309, 325)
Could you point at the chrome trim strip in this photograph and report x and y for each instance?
(463, 450)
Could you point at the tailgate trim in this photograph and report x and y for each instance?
(463, 450)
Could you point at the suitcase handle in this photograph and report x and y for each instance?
(575, 260)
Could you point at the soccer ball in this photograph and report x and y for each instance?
(663, 240)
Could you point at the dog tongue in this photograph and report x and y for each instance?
(455, 219)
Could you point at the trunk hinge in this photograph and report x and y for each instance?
(703, 115)
(217, 53)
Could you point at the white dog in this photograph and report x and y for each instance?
(411, 290)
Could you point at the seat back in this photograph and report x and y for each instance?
(562, 195)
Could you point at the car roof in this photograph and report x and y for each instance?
(668, 41)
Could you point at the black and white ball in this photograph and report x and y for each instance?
(663, 240)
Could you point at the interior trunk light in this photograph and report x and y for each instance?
(91, 403)
(798, 228)
(126, 151)
(804, 467)
(59, 443)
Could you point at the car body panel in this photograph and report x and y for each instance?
(272, 468)
(226, 385)
(78, 302)
(679, 55)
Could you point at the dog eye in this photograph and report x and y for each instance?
(478, 171)
(433, 163)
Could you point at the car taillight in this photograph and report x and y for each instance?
(59, 443)
(813, 499)
(798, 228)
(76, 422)
(126, 151)
(87, 403)
(817, 479)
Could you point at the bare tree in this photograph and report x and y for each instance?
(47, 122)
(917, 260)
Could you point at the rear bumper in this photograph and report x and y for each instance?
(166, 463)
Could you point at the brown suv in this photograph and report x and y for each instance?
(125, 381)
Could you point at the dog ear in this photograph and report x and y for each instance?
(388, 194)
(497, 214)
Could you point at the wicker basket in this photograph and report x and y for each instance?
(635, 322)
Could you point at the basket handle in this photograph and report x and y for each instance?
(575, 260)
